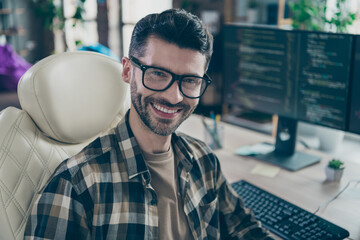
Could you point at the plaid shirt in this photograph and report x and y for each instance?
(104, 192)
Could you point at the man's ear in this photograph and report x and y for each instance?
(126, 73)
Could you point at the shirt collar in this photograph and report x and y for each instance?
(182, 148)
(130, 150)
(132, 154)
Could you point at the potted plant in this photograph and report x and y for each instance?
(52, 14)
(308, 14)
(334, 170)
(341, 18)
(315, 15)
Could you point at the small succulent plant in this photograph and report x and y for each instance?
(336, 164)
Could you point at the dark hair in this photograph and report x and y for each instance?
(175, 26)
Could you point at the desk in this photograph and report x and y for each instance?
(306, 188)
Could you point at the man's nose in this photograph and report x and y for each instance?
(173, 93)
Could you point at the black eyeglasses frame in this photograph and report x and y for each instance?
(175, 77)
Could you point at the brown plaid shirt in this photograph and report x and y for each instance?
(104, 192)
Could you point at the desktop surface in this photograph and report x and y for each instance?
(306, 188)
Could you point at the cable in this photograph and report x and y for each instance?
(336, 196)
(304, 143)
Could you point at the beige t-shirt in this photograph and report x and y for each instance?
(172, 219)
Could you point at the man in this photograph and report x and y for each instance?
(143, 180)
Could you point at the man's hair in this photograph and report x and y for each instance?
(175, 26)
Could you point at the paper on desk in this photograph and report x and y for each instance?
(265, 170)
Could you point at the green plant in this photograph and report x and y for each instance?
(336, 164)
(52, 14)
(312, 15)
(308, 14)
(341, 18)
(252, 4)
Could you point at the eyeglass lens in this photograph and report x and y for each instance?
(158, 79)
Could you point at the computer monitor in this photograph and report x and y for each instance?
(354, 113)
(297, 75)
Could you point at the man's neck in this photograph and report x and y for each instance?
(148, 141)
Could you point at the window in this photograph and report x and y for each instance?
(120, 26)
(133, 11)
(81, 32)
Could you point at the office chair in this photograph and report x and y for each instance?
(67, 100)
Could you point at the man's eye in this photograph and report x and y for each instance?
(194, 81)
(156, 73)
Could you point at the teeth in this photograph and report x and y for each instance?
(165, 110)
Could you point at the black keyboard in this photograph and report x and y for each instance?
(284, 218)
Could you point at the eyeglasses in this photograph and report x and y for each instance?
(159, 79)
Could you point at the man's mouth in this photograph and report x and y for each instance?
(164, 109)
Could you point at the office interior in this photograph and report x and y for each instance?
(105, 26)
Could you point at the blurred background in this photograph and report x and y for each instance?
(34, 29)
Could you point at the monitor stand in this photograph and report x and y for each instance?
(285, 155)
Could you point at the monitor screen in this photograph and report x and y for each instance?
(296, 74)
(354, 113)
(299, 76)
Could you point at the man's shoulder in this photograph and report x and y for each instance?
(91, 156)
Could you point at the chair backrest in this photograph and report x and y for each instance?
(67, 100)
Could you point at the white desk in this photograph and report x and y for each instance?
(306, 188)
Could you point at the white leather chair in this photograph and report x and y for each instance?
(67, 100)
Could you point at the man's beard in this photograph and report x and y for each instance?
(163, 127)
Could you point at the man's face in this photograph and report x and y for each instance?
(162, 112)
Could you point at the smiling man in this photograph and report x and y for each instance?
(144, 180)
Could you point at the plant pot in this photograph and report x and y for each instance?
(333, 175)
(330, 139)
(252, 15)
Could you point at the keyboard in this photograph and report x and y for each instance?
(284, 218)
